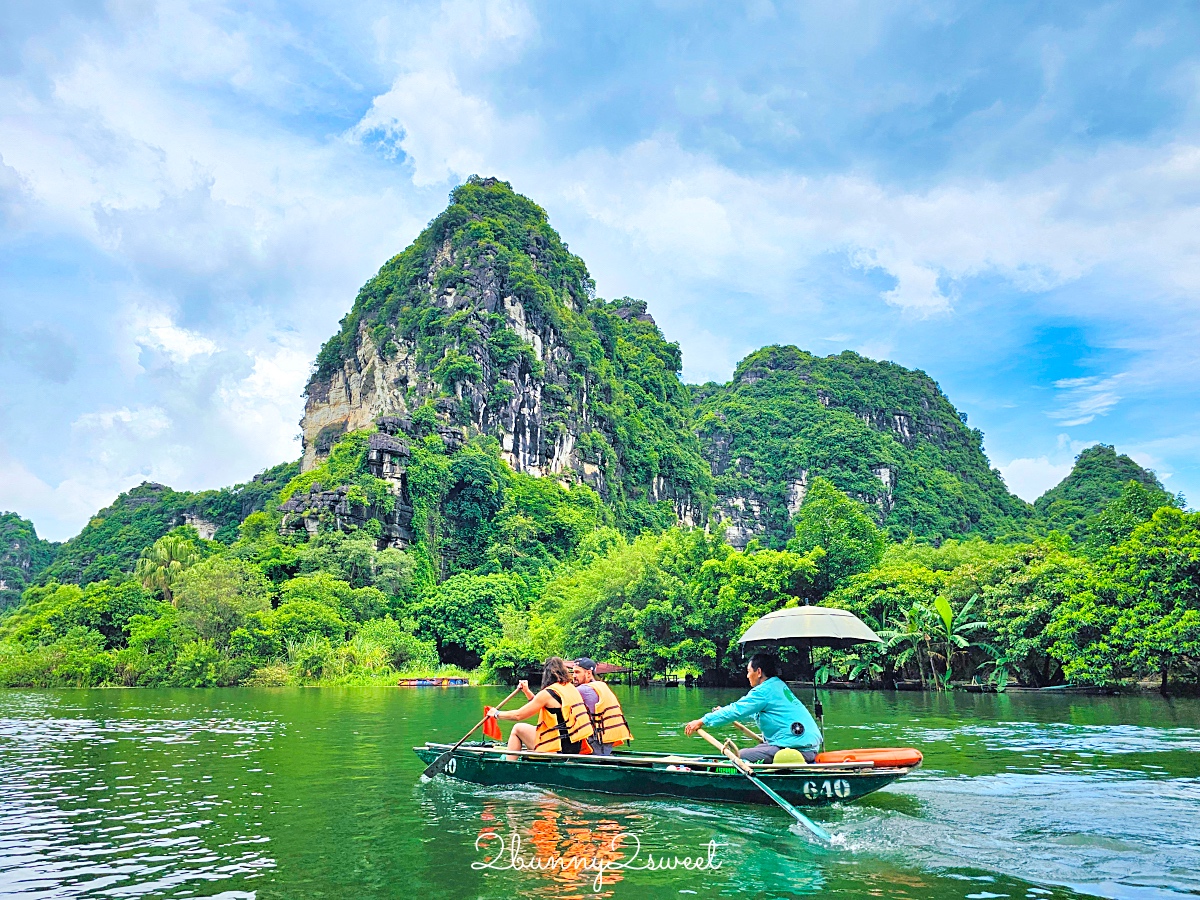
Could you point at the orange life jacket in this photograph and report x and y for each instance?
(609, 719)
(569, 724)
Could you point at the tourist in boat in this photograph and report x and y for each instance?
(781, 718)
(563, 724)
(608, 720)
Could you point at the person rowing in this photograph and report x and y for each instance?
(608, 720)
(563, 724)
(783, 720)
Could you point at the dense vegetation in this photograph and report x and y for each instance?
(882, 433)
(508, 569)
(23, 556)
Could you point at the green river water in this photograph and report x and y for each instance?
(315, 793)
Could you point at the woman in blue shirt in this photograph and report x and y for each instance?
(783, 720)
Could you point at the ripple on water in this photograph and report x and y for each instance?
(123, 807)
(1111, 836)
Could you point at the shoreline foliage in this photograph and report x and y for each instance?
(508, 569)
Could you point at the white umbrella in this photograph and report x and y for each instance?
(809, 626)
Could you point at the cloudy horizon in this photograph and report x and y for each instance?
(191, 194)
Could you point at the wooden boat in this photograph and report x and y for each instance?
(647, 774)
(433, 682)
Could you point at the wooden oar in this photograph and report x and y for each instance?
(439, 765)
(744, 767)
(748, 732)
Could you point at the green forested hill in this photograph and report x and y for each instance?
(490, 321)
(23, 556)
(109, 545)
(882, 433)
(1097, 478)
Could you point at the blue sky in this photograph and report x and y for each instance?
(1006, 196)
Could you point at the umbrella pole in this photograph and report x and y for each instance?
(818, 709)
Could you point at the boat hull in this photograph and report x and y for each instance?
(814, 788)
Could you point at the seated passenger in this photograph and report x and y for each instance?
(562, 724)
(608, 720)
(783, 720)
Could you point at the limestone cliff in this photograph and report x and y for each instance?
(882, 433)
(488, 322)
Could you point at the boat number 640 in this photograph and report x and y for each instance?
(839, 788)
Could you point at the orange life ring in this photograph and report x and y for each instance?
(889, 757)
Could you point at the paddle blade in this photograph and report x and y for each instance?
(491, 726)
(438, 766)
(795, 813)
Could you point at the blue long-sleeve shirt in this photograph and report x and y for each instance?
(774, 708)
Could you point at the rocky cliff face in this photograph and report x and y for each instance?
(488, 323)
(884, 434)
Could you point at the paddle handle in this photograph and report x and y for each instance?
(742, 766)
(748, 732)
(479, 724)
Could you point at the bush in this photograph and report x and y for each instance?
(404, 649)
(199, 664)
(311, 657)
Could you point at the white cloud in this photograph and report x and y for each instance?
(1082, 399)
(444, 131)
(1029, 478)
(158, 332)
(141, 423)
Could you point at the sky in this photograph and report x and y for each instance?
(1006, 196)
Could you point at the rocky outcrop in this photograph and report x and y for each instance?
(881, 433)
(336, 509)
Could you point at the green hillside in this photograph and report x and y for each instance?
(1097, 478)
(884, 434)
(109, 545)
(23, 556)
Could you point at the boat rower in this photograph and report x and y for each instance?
(783, 720)
(563, 725)
(608, 720)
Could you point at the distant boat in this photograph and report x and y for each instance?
(433, 682)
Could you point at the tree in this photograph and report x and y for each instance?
(463, 614)
(164, 561)
(842, 528)
(1157, 572)
(352, 604)
(1116, 522)
(217, 595)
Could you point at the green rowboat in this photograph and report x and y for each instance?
(641, 774)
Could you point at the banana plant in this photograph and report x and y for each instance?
(1003, 666)
(953, 636)
(907, 637)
